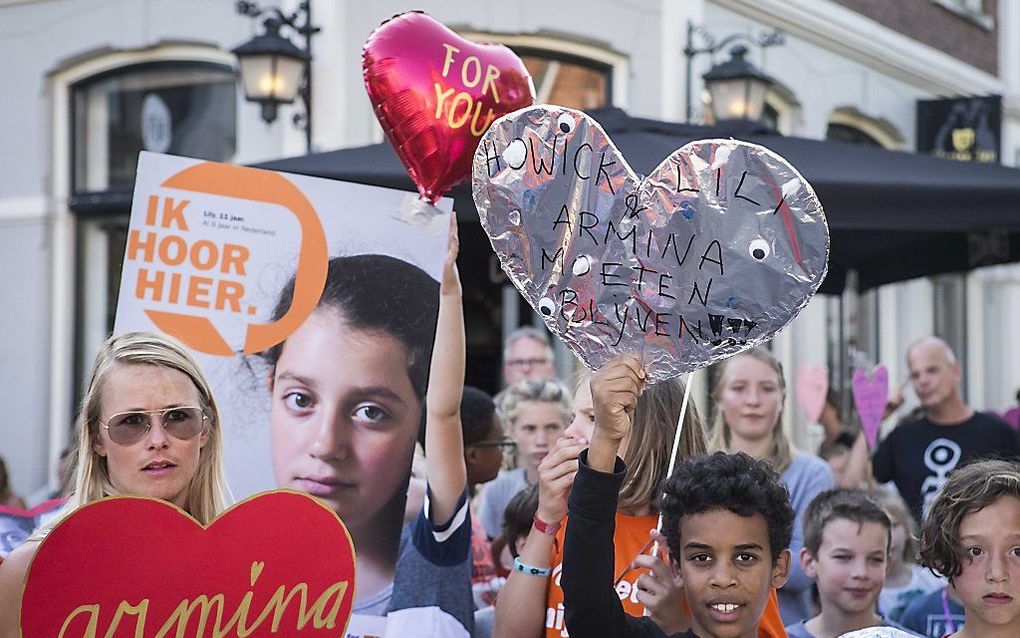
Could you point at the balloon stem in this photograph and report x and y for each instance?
(418, 212)
(676, 449)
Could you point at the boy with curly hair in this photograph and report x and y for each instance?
(972, 537)
(726, 517)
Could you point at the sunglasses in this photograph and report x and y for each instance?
(127, 428)
(526, 363)
(505, 445)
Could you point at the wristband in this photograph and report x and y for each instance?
(546, 528)
(530, 570)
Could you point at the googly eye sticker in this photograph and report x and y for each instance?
(515, 153)
(582, 265)
(546, 306)
(565, 123)
(759, 249)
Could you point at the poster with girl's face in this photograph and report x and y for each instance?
(311, 305)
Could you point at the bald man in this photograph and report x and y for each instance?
(918, 456)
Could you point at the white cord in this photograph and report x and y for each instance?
(676, 448)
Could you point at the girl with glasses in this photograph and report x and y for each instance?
(148, 426)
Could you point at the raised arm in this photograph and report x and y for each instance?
(521, 606)
(444, 443)
(592, 605)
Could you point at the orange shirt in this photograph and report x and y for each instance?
(630, 540)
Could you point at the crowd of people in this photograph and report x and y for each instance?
(548, 510)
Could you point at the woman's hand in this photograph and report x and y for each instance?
(555, 478)
(615, 389)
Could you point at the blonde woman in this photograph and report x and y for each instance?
(148, 426)
(749, 393)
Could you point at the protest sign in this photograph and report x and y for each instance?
(311, 306)
(150, 569)
(713, 253)
(435, 93)
(870, 396)
(811, 386)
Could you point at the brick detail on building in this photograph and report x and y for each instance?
(937, 26)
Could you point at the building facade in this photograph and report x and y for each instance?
(89, 83)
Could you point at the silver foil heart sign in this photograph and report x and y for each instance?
(712, 253)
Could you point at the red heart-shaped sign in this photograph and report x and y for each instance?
(277, 564)
(436, 93)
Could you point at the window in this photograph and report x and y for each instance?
(782, 110)
(770, 116)
(973, 10)
(570, 82)
(177, 107)
(849, 124)
(180, 108)
(850, 135)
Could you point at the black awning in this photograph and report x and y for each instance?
(892, 215)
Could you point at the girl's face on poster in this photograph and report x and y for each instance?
(344, 416)
(751, 398)
(158, 464)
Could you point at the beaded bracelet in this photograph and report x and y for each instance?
(531, 570)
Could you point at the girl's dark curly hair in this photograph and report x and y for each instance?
(969, 489)
(735, 482)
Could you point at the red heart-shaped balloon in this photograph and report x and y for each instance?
(436, 93)
(279, 559)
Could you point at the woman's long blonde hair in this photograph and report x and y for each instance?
(651, 441)
(781, 455)
(207, 494)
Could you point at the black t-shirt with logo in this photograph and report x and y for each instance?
(920, 455)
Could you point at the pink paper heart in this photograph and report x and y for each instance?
(870, 397)
(812, 386)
